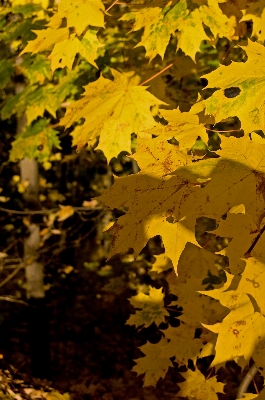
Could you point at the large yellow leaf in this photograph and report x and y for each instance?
(112, 110)
(160, 22)
(241, 330)
(237, 177)
(156, 207)
(242, 90)
(81, 13)
(238, 335)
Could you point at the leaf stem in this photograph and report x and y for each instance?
(248, 252)
(160, 72)
(113, 4)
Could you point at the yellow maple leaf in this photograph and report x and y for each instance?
(64, 52)
(238, 335)
(197, 387)
(194, 265)
(81, 13)
(158, 26)
(185, 127)
(241, 330)
(151, 307)
(256, 13)
(253, 276)
(154, 365)
(181, 344)
(156, 207)
(45, 39)
(237, 177)
(241, 238)
(242, 91)
(112, 110)
(160, 22)
(157, 157)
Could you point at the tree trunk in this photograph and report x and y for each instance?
(38, 320)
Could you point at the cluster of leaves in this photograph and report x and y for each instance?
(188, 170)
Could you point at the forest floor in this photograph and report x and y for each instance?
(92, 349)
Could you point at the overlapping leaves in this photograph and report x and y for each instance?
(76, 37)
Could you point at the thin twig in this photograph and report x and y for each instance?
(255, 385)
(51, 210)
(11, 245)
(227, 51)
(248, 252)
(243, 387)
(10, 276)
(113, 4)
(160, 72)
(210, 373)
(7, 298)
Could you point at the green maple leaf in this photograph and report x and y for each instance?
(112, 110)
(36, 141)
(22, 31)
(27, 10)
(6, 72)
(36, 69)
(33, 100)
